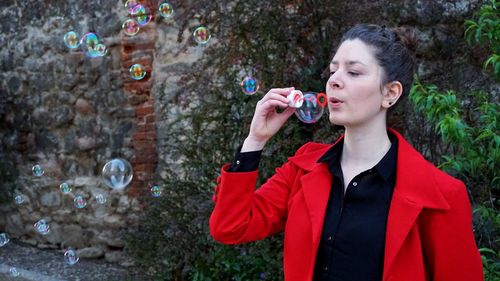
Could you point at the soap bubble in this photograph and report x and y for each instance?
(13, 272)
(4, 239)
(201, 35)
(130, 27)
(80, 201)
(156, 190)
(249, 85)
(166, 10)
(71, 257)
(37, 170)
(141, 14)
(71, 40)
(42, 227)
(89, 43)
(312, 108)
(117, 173)
(137, 71)
(131, 4)
(100, 198)
(19, 199)
(65, 188)
(102, 50)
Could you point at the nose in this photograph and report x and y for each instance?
(334, 81)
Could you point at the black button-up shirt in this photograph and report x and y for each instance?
(353, 237)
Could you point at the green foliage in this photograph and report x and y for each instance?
(475, 147)
(173, 242)
(486, 31)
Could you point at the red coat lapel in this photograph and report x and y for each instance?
(415, 189)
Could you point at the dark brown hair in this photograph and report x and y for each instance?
(394, 51)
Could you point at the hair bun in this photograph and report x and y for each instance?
(407, 36)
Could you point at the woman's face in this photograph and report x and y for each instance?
(353, 89)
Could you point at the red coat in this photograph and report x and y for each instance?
(429, 229)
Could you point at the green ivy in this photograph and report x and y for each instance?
(475, 157)
(486, 31)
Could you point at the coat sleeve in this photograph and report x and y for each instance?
(450, 249)
(243, 213)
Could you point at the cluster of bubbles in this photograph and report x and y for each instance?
(90, 44)
(116, 174)
(139, 16)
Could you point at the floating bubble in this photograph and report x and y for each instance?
(117, 173)
(71, 40)
(13, 272)
(102, 50)
(100, 198)
(65, 188)
(249, 85)
(42, 227)
(130, 27)
(4, 239)
(19, 199)
(312, 108)
(89, 43)
(37, 170)
(80, 201)
(166, 10)
(141, 14)
(137, 71)
(156, 190)
(131, 4)
(201, 35)
(71, 257)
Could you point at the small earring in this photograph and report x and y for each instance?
(390, 103)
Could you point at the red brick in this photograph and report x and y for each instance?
(144, 110)
(152, 158)
(151, 118)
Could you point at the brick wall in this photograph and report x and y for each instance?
(140, 49)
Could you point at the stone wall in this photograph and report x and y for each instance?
(72, 114)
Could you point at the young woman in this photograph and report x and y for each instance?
(368, 207)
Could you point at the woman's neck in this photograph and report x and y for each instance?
(365, 145)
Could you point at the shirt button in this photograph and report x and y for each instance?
(238, 162)
(354, 183)
(326, 268)
(329, 238)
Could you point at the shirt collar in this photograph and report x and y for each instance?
(385, 167)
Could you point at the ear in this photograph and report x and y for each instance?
(392, 92)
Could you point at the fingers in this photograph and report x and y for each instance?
(277, 94)
(272, 104)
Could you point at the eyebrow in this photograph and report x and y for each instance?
(350, 62)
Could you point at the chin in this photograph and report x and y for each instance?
(335, 121)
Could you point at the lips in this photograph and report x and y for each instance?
(335, 100)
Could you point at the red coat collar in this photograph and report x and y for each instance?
(415, 175)
(416, 188)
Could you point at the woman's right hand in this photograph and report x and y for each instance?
(266, 121)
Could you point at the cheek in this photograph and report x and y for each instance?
(366, 94)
